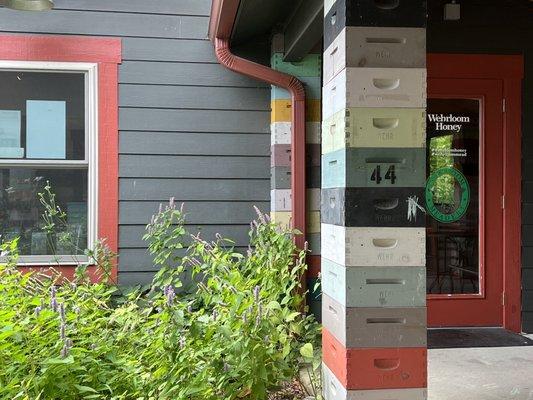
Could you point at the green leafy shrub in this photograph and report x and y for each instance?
(240, 334)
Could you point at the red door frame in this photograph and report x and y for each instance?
(107, 53)
(510, 70)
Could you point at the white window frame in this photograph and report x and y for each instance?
(90, 70)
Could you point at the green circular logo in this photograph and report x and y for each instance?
(439, 191)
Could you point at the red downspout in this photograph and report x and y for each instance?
(223, 15)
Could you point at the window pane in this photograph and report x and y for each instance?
(21, 211)
(453, 134)
(43, 117)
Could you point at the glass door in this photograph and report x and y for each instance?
(463, 202)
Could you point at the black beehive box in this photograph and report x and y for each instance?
(385, 13)
(370, 207)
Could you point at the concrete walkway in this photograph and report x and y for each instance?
(498, 373)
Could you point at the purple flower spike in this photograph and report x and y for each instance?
(53, 304)
(182, 342)
(38, 311)
(62, 312)
(53, 299)
(62, 333)
(257, 291)
(64, 351)
(170, 295)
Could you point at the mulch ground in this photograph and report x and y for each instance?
(290, 391)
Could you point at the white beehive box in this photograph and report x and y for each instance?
(375, 87)
(375, 47)
(379, 247)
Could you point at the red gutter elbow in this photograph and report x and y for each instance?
(223, 13)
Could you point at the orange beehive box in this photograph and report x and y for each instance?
(375, 368)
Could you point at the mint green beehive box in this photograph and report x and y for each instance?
(374, 167)
(374, 286)
(312, 85)
(310, 65)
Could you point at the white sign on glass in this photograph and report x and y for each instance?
(46, 129)
(10, 134)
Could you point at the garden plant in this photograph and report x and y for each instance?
(214, 324)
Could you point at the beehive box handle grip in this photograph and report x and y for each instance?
(386, 204)
(385, 282)
(385, 123)
(387, 364)
(387, 4)
(385, 40)
(385, 243)
(385, 321)
(386, 83)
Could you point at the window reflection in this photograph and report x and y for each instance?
(21, 211)
(453, 247)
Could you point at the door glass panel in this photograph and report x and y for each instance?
(452, 196)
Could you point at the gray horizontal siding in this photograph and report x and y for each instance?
(194, 120)
(131, 235)
(189, 128)
(187, 143)
(527, 193)
(134, 212)
(140, 262)
(194, 189)
(185, 7)
(194, 97)
(192, 73)
(105, 24)
(164, 50)
(149, 166)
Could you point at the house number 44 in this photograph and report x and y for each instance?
(389, 175)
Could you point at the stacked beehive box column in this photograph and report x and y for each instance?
(308, 71)
(373, 222)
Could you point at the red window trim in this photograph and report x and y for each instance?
(107, 53)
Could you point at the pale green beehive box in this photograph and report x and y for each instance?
(374, 127)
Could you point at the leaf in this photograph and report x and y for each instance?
(307, 350)
(273, 305)
(85, 389)
(55, 361)
(292, 316)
